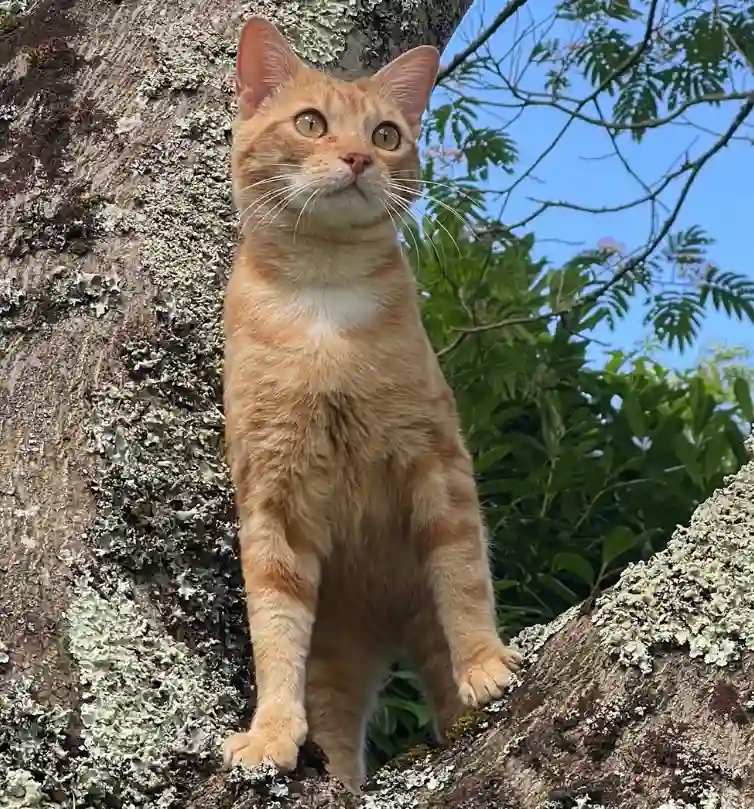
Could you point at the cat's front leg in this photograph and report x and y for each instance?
(281, 582)
(450, 533)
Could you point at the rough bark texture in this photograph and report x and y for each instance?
(124, 653)
(123, 646)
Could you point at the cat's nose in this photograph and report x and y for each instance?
(358, 162)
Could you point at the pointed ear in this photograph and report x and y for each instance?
(264, 62)
(408, 81)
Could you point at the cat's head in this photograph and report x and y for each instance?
(326, 152)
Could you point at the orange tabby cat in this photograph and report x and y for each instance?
(361, 533)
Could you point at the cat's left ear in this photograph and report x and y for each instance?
(264, 62)
(408, 81)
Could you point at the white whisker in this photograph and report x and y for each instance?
(280, 206)
(399, 214)
(259, 203)
(439, 224)
(303, 208)
(276, 179)
(437, 184)
(439, 202)
(402, 205)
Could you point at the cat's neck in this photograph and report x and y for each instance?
(332, 285)
(309, 258)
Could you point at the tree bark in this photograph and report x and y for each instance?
(124, 652)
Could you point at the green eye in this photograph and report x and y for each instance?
(387, 136)
(310, 124)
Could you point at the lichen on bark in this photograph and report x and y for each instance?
(155, 630)
(697, 594)
(133, 133)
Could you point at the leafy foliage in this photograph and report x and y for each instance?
(583, 466)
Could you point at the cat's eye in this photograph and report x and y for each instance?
(386, 136)
(310, 124)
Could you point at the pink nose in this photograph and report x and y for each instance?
(357, 162)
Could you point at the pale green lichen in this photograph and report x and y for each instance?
(145, 698)
(710, 799)
(531, 639)
(152, 710)
(186, 61)
(397, 789)
(22, 791)
(697, 594)
(318, 29)
(332, 33)
(146, 704)
(164, 503)
(580, 802)
(13, 6)
(34, 748)
(10, 14)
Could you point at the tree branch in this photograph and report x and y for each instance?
(697, 166)
(694, 170)
(527, 99)
(622, 68)
(508, 11)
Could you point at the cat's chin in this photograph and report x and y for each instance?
(347, 207)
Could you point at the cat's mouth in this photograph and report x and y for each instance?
(350, 185)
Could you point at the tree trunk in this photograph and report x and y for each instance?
(123, 646)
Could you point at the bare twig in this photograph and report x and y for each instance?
(528, 99)
(625, 206)
(696, 167)
(654, 201)
(629, 62)
(507, 12)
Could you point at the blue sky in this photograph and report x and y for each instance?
(579, 171)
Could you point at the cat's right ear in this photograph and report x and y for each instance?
(264, 62)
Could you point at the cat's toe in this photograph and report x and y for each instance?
(486, 677)
(274, 742)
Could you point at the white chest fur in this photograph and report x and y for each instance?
(330, 309)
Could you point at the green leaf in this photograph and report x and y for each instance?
(573, 563)
(560, 589)
(492, 456)
(634, 414)
(385, 721)
(505, 584)
(619, 541)
(418, 710)
(742, 391)
(688, 454)
(715, 453)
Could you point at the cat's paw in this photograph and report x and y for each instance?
(274, 738)
(487, 674)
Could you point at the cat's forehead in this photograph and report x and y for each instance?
(336, 97)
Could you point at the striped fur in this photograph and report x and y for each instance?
(361, 533)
